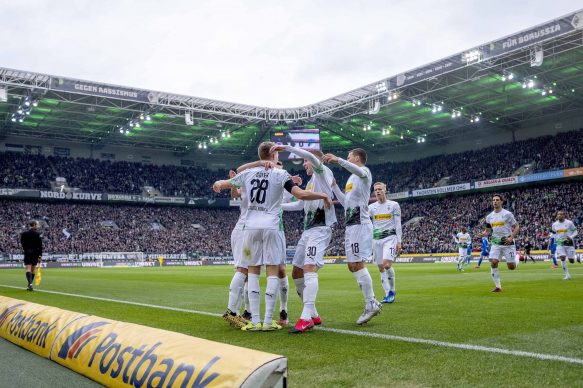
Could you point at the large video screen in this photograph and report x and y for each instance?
(301, 138)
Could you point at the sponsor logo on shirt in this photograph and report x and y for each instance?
(380, 217)
(497, 224)
(348, 188)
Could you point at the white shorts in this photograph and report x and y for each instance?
(237, 247)
(568, 252)
(384, 249)
(263, 247)
(499, 252)
(312, 246)
(358, 242)
(463, 251)
(284, 251)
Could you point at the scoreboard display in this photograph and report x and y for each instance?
(308, 139)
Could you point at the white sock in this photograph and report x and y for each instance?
(246, 297)
(254, 295)
(270, 297)
(237, 284)
(283, 293)
(460, 262)
(391, 277)
(495, 277)
(385, 282)
(564, 265)
(364, 281)
(310, 293)
(300, 285)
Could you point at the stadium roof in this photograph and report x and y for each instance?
(529, 75)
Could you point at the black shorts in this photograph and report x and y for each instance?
(30, 260)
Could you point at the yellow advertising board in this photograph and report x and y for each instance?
(120, 354)
(33, 326)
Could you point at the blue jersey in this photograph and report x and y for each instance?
(485, 246)
(552, 246)
(469, 252)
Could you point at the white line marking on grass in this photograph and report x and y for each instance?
(539, 356)
(122, 301)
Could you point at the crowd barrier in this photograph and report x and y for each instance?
(120, 354)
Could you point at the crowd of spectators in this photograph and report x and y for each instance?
(563, 150)
(78, 228)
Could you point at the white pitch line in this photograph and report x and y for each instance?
(121, 301)
(539, 356)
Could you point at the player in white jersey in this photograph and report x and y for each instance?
(387, 238)
(463, 240)
(239, 279)
(565, 231)
(503, 228)
(310, 249)
(358, 235)
(282, 275)
(262, 242)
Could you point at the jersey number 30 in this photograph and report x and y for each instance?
(259, 190)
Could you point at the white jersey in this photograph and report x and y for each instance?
(501, 224)
(315, 213)
(243, 206)
(264, 191)
(564, 230)
(386, 219)
(463, 239)
(357, 192)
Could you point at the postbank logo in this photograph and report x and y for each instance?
(348, 188)
(382, 217)
(28, 328)
(498, 224)
(8, 312)
(310, 187)
(77, 341)
(115, 355)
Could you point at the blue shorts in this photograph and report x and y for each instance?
(485, 254)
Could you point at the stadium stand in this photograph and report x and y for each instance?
(36, 171)
(77, 228)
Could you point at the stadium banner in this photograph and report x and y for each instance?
(19, 193)
(441, 190)
(33, 326)
(399, 195)
(534, 35)
(541, 176)
(511, 180)
(208, 202)
(94, 89)
(422, 73)
(573, 172)
(128, 355)
(71, 196)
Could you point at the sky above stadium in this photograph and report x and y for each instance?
(267, 53)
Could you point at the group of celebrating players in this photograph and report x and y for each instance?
(258, 239)
(266, 190)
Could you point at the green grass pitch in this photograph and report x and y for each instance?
(538, 312)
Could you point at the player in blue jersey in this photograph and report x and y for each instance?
(469, 254)
(553, 250)
(485, 251)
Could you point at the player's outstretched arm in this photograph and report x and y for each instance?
(258, 163)
(294, 206)
(299, 152)
(351, 167)
(234, 191)
(311, 196)
(225, 184)
(338, 193)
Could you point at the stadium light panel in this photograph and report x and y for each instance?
(13, 119)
